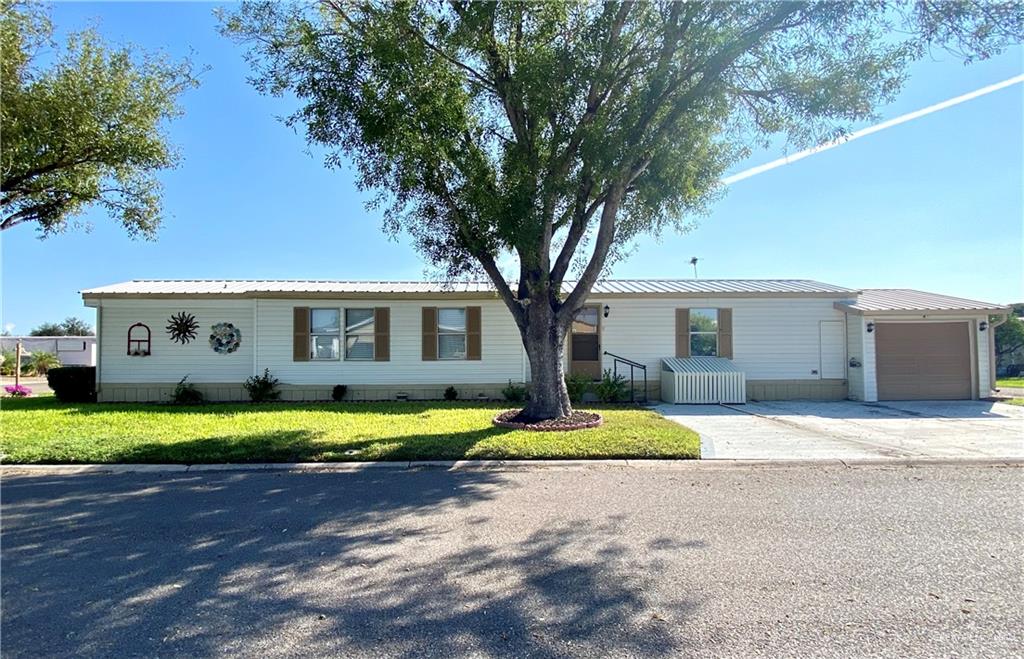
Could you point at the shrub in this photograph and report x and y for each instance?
(7, 367)
(612, 388)
(262, 387)
(514, 393)
(42, 362)
(451, 393)
(18, 390)
(577, 385)
(339, 391)
(73, 384)
(186, 393)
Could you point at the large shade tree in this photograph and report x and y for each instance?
(81, 124)
(561, 131)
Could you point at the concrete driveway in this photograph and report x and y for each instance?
(843, 430)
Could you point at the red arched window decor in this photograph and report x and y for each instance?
(138, 340)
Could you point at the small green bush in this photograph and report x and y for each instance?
(262, 388)
(514, 393)
(186, 393)
(612, 388)
(73, 384)
(451, 393)
(42, 362)
(577, 385)
(338, 392)
(7, 366)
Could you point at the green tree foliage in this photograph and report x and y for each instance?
(87, 129)
(1010, 340)
(71, 326)
(560, 131)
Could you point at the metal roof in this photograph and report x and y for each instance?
(896, 300)
(700, 365)
(253, 287)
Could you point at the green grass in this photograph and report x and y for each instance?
(1010, 382)
(42, 430)
(1014, 401)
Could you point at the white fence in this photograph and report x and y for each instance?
(702, 380)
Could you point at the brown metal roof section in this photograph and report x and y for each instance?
(315, 288)
(908, 300)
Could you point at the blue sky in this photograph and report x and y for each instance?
(934, 204)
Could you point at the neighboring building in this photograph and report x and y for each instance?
(385, 340)
(70, 350)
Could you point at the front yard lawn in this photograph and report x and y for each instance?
(1014, 401)
(42, 430)
(1010, 382)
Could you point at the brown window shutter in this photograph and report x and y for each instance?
(382, 334)
(725, 333)
(429, 334)
(473, 334)
(300, 334)
(682, 332)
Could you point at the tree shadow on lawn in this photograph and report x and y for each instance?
(306, 446)
(375, 561)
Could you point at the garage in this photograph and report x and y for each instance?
(904, 344)
(923, 361)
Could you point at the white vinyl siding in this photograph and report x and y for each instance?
(170, 361)
(773, 338)
(502, 347)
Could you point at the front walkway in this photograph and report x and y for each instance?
(842, 430)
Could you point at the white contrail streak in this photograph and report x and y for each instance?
(799, 155)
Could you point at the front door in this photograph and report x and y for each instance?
(585, 343)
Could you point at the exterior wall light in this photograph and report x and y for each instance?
(982, 326)
(870, 327)
(607, 310)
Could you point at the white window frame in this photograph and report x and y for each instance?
(464, 333)
(312, 335)
(693, 332)
(345, 334)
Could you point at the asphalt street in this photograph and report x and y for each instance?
(744, 561)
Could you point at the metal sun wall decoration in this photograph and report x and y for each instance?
(225, 338)
(182, 327)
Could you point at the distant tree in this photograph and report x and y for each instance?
(86, 129)
(1010, 341)
(71, 326)
(561, 131)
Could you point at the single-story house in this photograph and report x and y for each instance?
(778, 339)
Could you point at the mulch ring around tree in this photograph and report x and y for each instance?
(514, 420)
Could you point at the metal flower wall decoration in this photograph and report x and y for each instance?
(182, 327)
(225, 338)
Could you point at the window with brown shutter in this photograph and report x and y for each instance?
(382, 334)
(429, 334)
(725, 333)
(682, 332)
(473, 334)
(300, 334)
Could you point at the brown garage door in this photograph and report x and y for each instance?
(923, 361)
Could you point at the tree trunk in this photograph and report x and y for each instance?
(544, 341)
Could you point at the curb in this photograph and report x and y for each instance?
(499, 465)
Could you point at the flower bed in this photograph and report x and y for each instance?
(18, 390)
(513, 420)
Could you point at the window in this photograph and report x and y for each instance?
(703, 332)
(359, 332)
(451, 333)
(325, 333)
